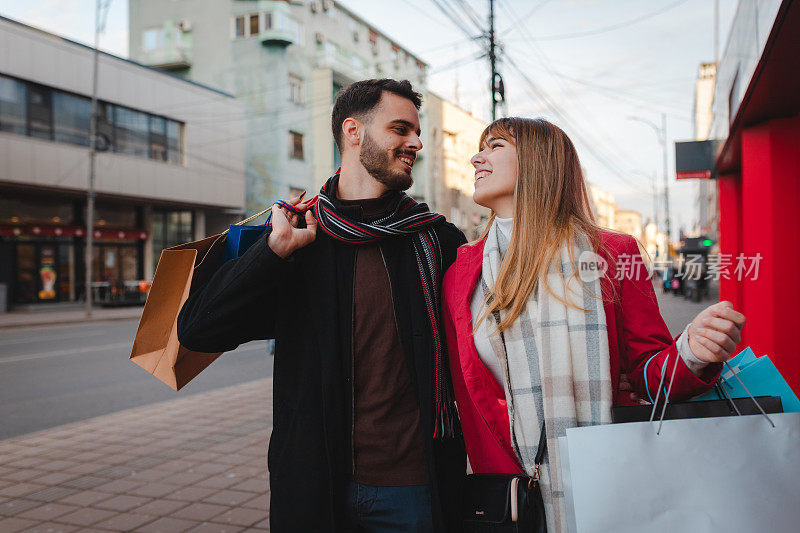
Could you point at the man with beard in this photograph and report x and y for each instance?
(365, 435)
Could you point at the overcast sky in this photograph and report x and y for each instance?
(589, 64)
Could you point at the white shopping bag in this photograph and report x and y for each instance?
(709, 474)
(731, 474)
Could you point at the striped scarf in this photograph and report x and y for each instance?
(408, 218)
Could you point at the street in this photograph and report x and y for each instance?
(678, 311)
(158, 460)
(54, 375)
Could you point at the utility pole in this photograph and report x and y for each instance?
(667, 220)
(492, 60)
(716, 32)
(661, 134)
(92, 151)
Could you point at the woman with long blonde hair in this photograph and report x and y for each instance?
(546, 314)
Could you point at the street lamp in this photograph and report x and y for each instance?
(661, 134)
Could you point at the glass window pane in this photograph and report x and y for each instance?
(253, 24)
(128, 261)
(40, 112)
(240, 26)
(153, 39)
(295, 145)
(26, 282)
(13, 112)
(71, 118)
(173, 235)
(158, 138)
(131, 132)
(174, 142)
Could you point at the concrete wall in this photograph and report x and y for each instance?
(212, 173)
(257, 73)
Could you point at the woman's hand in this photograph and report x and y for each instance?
(286, 237)
(715, 332)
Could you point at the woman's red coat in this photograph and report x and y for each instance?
(636, 331)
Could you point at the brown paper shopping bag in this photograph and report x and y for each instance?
(181, 269)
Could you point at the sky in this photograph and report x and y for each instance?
(589, 66)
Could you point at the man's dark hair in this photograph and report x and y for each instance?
(361, 97)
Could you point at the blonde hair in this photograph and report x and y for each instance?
(551, 208)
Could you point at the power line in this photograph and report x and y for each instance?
(588, 143)
(526, 16)
(613, 26)
(594, 146)
(450, 14)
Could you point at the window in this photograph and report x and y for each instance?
(40, 112)
(268, 21)
(131, 132)
(158, 138)
(13, 111)
(153, 39)
(171, 228)
(295, 145)
(105, 126)
(254, 24)
(45, 113)
(71, 118)
(239, 27)
(295, 89)
(174, 142)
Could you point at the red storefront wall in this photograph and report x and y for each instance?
(760, 214)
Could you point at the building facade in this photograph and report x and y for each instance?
(284, 61)
(757, 113)
(703, 117)
(629, 222)
(603, 206)
(452, 141)
(154, 186)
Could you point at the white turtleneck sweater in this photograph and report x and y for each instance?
(493, 362)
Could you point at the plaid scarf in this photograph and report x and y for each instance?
(557, 367)
(409, 217)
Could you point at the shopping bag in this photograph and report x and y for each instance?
(707, 474)
(761, 377)
(181, 270)
(701, 475)
(240, 239)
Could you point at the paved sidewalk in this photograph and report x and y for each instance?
(193, 464)
(15, 319)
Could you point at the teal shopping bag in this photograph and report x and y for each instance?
(761, 378)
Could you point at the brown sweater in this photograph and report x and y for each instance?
(388, 445)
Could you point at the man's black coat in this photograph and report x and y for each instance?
(305, 304)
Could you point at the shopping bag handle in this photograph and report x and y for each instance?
(245, 221)
(669, 390)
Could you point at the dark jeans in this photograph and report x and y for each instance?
(382, 509)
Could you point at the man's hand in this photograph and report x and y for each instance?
(286, 237)
(715, 332)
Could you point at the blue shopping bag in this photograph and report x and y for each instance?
(240, 238)
(760, 377)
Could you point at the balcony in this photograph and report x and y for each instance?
(169, 58)
(168, 47)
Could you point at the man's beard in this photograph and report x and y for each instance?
(378, 163)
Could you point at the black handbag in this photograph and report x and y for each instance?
(505, 502)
